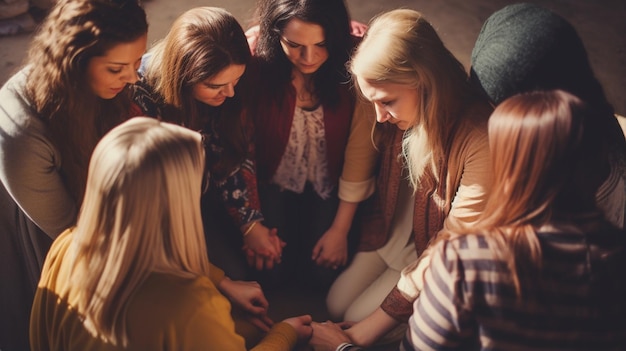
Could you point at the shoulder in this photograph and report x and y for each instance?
(183, 294)
(58, 251)
(468, 252)
(23, 134)
(16, 112)
(149, 102)
(171, 308)
(471, 140)
(56, 267)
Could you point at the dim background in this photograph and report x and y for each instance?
(601, 24)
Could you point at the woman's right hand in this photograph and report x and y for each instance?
(302, 325)
(263, 247)
(327, 336)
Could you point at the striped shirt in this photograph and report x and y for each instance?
(469, 302)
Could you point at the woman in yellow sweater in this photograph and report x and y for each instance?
(133, 274)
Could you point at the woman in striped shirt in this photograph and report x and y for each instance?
(543, 269)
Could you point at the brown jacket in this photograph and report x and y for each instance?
(456, 202)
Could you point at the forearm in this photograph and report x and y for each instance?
(344, 216)
(371, 329)
(239, 195)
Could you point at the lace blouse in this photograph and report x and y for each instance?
(305, 155)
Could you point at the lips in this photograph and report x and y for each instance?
(117, 90)
(308, 67)
(218, 102)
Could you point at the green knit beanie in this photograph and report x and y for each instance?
(524, 47)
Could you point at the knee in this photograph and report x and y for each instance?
(336, 302)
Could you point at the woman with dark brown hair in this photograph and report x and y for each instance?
(306, 117)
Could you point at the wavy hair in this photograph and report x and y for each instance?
(141, 214)
(74, 32)
(332, 15)
(401, 47)
(200, 44)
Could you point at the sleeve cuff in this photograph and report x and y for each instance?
(356, 191)
(282, 336)
(397, 306)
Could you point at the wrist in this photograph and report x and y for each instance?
(223, 285)
(347, 347)
(249, 228)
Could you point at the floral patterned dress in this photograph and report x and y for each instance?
(238, 190)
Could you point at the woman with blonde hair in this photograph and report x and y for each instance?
(134, 274)
(196, 77)
(72, 90)
(542, 268)
(415, 83)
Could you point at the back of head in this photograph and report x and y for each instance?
(535, 140)
(201, 42)
(524, 47)
(537, 143)
(140, 215)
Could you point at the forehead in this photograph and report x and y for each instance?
(227, 75)
(126, 52)
(382, 91)
(303, 33)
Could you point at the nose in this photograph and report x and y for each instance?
(382, 115)
(229, 90)
(307, 54)
(131, 76)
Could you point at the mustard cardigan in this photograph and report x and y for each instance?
(165, 313)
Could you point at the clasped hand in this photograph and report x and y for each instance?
(263, 247)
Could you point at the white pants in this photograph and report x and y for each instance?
(361, 288)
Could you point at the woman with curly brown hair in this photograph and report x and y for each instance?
(52, 113)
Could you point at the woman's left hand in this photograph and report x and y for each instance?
(248, 296)
(331, 250)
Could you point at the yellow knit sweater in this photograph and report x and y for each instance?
(165, 313)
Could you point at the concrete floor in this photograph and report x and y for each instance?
(601, 24)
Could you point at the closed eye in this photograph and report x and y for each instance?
(291, 44)
(212, 86)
